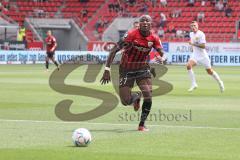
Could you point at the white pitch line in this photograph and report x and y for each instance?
(121, 124)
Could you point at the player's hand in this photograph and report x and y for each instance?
(190, 43)
(160, 59)
(106, 77)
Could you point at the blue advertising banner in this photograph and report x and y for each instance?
(32, 57)
(221, 54)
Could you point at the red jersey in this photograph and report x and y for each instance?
(51, 43)
(135, 57)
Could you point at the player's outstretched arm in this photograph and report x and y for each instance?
(160, 51)
(161, 56)
(54, 47)
(106, 75)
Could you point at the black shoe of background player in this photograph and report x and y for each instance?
(152, 71)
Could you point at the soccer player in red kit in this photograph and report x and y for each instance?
(51, 45)
(136, 45)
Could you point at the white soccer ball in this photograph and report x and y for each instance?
(81, 137)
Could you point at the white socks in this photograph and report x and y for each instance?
(216, 77)
(192, 77)
(193, 80)
(220, 82)
(194, 83)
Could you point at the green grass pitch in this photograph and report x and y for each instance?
(29, 129)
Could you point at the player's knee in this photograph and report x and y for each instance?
(125, 101)
(209, 71)
(147, 95)
(189, 66)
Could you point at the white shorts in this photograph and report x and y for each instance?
(203, 60)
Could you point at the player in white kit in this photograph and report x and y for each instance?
(200, 56)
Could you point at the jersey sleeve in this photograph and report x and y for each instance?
(157, 43)
(191, 37)
(128, 36)
(54, 40)
(202, 38)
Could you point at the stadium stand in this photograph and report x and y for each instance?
(218, 26)
(7, 30)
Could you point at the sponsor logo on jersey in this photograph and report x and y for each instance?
(142, 49)
(150, 44)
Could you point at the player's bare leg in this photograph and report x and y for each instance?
(47, 63)
(214, 74)
(129, 98)
(55, 62)
(190, 65)
(145, 86)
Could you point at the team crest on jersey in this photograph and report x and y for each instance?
(150, 44)
(197, 38)
(125, 35)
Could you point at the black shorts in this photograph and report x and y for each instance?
(127, 78)
(50, 54)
